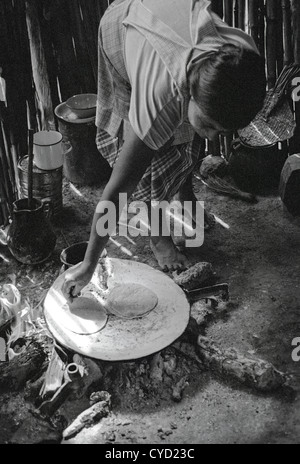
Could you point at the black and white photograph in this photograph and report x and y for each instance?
(149, 225)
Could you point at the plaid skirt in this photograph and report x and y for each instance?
(169, 168)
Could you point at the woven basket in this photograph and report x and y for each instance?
(275, 122)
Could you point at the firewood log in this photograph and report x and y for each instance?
(251, 371)
(89, 417)
(195, 276)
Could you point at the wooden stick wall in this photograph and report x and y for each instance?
(48, 53)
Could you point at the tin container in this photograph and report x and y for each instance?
(83, 164)
(46, 184)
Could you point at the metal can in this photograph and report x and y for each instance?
(46, 184)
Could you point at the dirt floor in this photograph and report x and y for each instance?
(259, 256)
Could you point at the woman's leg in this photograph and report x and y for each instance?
(167, 255)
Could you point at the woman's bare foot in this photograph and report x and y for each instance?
(167, 255)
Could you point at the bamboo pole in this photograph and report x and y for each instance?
(261, 27)
(5, 175)
(30, 168)
(25, 75)
(253, 20)
(295, 8)
(3, 192)
(271, 37)
(2, 217)
(81, 46)
(241, 14)
(296, 29)
(14, 154)
(247, 16)
(228, 12)
(39, 66)
(6, 137)
(287, 31)
(9, 159)
(13, 45)
(236, 13)
(4, 213)
(15, 60)
(69, 75)
(89, 31)
(279, 41)
(51, 56)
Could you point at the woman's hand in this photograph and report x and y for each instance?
(128, 171)
(76, 279)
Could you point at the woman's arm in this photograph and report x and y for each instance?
(132, 163)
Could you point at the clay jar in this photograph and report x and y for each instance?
(31, 239)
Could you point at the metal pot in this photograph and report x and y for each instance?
(74, 254)
(256, 170)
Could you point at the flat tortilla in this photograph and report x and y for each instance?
(130, 300)
(84, 316)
